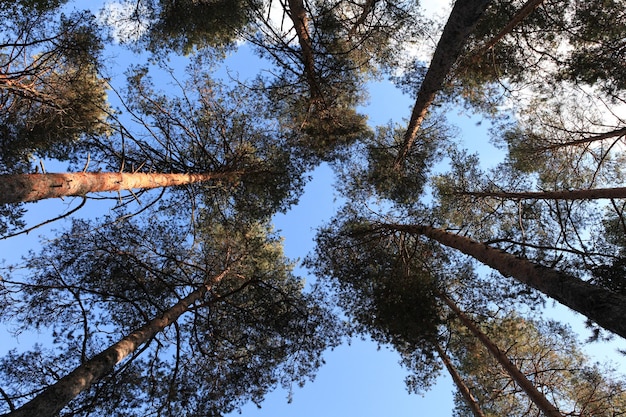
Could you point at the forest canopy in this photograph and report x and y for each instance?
(152, 145)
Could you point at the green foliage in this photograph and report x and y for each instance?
(315, 88)
(558, 43)
(549, 355)
(405, 185)
(321, 126)
(327, 133)
(31, 5)
(209, 127)
(599, 46)
(51, 95)
(611, 276)
(52, 100)
(255, 329)
(384, 283)
(189, 24)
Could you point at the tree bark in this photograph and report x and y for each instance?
(590, 194)
(600, 305)
(461, 23)
(15, 188)
(533, 393)
(58, 395)
(460, 384)
(522, 14)
(298, 16)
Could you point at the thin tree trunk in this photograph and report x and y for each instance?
(533, 393)
(590, 194)
(461, 23)
(601, 136)
(15, 188)
(600, 305)
(58, 395)
(460, 384)
(298, 15)
(522, 14)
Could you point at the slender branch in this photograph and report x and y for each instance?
(522, 14)
(30, 229)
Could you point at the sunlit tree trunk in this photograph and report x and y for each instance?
(524, 383)
(590, 194)
(460, 384)
(461, 23)
(605, 307)
(15, 188)
(51, 400)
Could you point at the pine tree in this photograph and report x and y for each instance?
(202, 323)
(549, 354)
(596, 303)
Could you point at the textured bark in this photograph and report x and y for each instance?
(461, 23)
(590, 194)
(298, 15)
(524, 383)
(600, 305)
(460, 384)
(522, 13)
(15, 188)
(57, 396)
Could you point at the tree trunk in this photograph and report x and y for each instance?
(15, 188)
(298, 15)
(524, 12)
(600, 136)
(460, 384)
(533, 393)
(58, 395)
(590, 194)
(600, 305)
(461, 23)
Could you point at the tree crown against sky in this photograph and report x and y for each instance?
(250, 329)
(549, 80)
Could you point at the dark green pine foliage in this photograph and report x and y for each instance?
(549, 354)
(599, 46)
(611, 274)
(51, 97)
(188, 25)
(405, 186)
(207, 126)
(253, 330)
(559, 41)
(321, 73)
(385, 285)
(522, 56)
